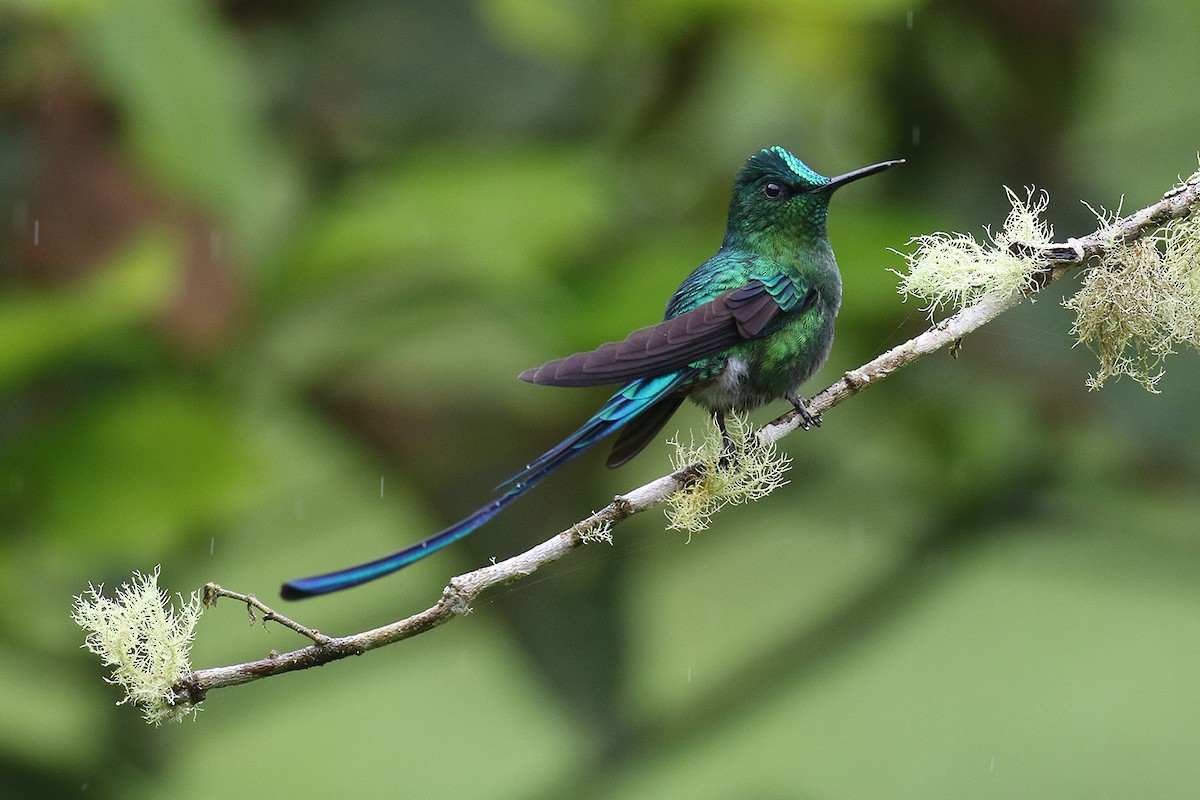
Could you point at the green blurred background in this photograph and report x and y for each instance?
(268, 270)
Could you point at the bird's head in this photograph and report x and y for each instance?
(778, 196)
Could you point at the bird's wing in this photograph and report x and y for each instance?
(745, 312)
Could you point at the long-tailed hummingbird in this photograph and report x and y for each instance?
(748, 326)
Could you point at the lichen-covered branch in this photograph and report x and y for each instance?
(1027, 264)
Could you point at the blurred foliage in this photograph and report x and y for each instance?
(270, 269)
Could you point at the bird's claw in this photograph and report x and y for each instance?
(808, 420)
(729, 452)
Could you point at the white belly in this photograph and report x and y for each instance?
(726, 392)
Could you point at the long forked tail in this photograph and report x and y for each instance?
(632, 399)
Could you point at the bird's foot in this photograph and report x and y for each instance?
(807, 419)
(729, 448)
(729, 453)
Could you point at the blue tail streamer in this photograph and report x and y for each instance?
(632, 399)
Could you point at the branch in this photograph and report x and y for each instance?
(1051, 261)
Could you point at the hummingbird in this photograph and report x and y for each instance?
(747, 327)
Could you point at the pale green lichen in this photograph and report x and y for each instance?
(1137, 304)
(750, 473)
(145, 640)
(954, 270)
(597, 533)
(1140, 302)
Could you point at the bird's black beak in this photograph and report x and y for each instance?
(842, 180)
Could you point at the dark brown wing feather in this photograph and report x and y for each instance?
(741, 313)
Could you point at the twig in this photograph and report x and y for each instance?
(214, 591)
(1058, 259)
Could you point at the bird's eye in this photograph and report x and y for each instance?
(774, 191)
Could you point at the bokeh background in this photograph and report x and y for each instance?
(268, 270)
